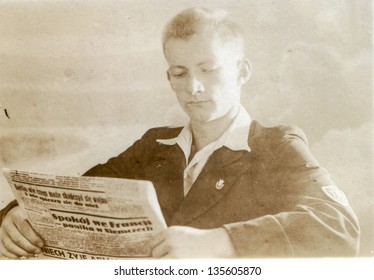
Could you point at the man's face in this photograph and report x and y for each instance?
(204, 74)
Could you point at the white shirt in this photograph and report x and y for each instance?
(235, 138)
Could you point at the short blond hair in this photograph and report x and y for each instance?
(200, 20)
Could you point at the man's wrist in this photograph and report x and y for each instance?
(226, 247)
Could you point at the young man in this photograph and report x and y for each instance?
(227, 186)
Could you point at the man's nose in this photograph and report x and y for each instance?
(194, 85)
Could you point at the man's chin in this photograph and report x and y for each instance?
(202, 118)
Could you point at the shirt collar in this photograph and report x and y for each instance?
(235, 137)
(184, 141)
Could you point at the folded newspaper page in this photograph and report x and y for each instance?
(89, 217)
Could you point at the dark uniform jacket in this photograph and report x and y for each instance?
(274, 201)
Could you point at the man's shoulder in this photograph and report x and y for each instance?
(163, 132)
(286, 144)
(274, 135)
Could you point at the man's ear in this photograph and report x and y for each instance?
(245, 71)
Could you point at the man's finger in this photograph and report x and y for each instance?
(4, 252)
(14, 236)
(11, 247)
(160, 251)
(157, 239)
(29, 233)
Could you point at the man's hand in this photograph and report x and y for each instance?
(188, 242)
(17, 237)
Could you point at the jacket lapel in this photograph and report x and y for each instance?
(170, 162)
(215, 180)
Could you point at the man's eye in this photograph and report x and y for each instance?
(177, 74)
(209, 70)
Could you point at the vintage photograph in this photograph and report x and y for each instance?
(186, 129)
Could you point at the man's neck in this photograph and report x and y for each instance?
(205, 133)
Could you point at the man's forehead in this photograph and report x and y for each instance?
(199, 64)
(199, 50)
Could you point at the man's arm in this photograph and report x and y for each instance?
(17, 237)
(311, 216)
(300, 215)
(188, 242)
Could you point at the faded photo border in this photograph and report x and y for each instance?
(80, 81)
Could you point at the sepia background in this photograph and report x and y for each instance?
(81, 80)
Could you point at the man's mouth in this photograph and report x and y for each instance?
(202, 102)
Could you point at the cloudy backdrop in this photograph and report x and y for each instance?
(81, 80)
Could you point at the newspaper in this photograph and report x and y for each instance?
(89, 217)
